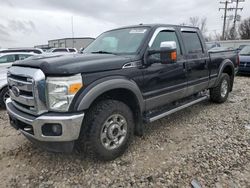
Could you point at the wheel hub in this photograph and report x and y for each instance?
(114, 131)
(224, 88)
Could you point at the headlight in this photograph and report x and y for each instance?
(61, 91)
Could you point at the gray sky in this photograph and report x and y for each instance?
(33, 22)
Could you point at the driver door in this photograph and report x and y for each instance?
(164, 83)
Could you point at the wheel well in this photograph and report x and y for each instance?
(228, 69)
(129, 98)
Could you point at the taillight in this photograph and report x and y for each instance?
(238, 60)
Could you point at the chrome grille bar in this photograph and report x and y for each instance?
(25, 100)
(24, 86)
(27, 89)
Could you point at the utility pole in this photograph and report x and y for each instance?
(234, 18)
(236, 13)
(225, 17)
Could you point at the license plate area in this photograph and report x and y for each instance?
(15, 123)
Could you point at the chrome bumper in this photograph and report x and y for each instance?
(71, 124)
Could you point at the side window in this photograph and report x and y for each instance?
(164, 36)
(23, 56)
(7, 59)
(60, 50)
(3, 59)
(192, 42)
(72, 50)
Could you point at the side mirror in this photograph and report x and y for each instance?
(168, 52)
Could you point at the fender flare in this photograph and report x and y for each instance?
(96, 89)
(224, 64)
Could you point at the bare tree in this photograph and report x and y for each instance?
(198, 22)
(203, 25)
(231, 35)
(244, 29)
(194, 21)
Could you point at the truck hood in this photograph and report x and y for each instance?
(74, 63)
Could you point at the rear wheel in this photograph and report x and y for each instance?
(4, 95)
(108, 129)
(219, 94)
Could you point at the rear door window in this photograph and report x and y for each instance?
(192, 42)
(23, 56)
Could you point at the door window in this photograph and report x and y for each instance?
(192, 42)
(165, 36)
(60, 50)
(23, 56)
(7, 59)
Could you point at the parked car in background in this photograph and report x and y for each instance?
(211, 45)
(27, 50)
(6, 61)
(62, 50)
(244, 56)
(241, 47)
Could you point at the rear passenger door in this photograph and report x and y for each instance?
(197, 61)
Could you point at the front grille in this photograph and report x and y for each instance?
(244, 64)
(27, 89)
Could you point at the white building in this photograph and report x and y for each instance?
(70, 42)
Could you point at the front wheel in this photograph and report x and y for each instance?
(219, 94)
(4, 95)
(108, 129)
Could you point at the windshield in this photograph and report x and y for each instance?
(245, 51)
(122, 41)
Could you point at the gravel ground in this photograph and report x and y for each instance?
(208, 143)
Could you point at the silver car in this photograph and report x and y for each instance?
(6, 60)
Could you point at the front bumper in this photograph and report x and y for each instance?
(31, 126)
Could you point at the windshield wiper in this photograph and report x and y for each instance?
(101, 52)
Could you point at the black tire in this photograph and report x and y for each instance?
(216, 94)
(3, 93)
(97, 117)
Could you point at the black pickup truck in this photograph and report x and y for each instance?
(126, 78)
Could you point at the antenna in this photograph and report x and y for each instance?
(72, 30)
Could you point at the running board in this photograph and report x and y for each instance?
(154, 118)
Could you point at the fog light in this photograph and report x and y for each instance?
(57, 129)
(52, 130)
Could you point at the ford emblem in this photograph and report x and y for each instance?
(15, 91)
